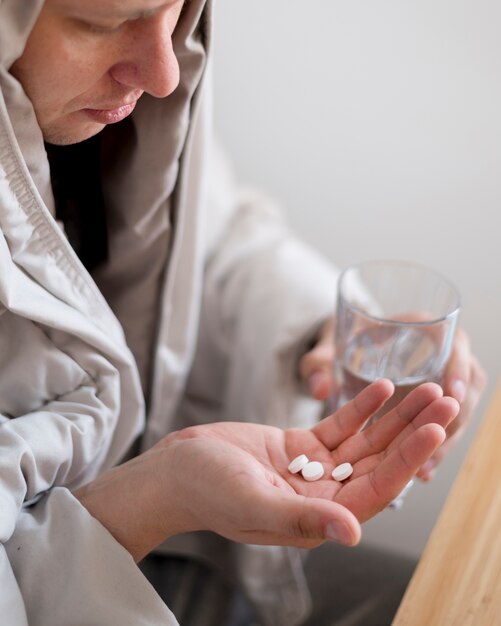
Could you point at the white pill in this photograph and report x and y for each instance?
(313, 471)
(341, 472)
(298, 463)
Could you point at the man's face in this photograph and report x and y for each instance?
(87, 62)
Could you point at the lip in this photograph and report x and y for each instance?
(110, 116)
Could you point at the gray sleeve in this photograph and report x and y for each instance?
(61, 567)
(265, 295)
(61, 415)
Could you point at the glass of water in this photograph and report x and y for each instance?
(394, 320)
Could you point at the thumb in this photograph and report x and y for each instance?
(303, 521)
(316, 365)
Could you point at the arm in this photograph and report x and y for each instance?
(60, 404)
(62, 567)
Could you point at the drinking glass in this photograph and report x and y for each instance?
(394, 320)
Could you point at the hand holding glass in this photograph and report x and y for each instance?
(394, 320)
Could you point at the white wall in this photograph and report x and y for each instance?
(378, 126)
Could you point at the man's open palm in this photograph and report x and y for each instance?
(236, 475)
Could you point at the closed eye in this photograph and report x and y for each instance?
(102, 29)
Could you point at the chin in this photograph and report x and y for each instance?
(71, 134)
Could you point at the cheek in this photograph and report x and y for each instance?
(65, 74)
(69, 73)
(61, 71)
(76, 59)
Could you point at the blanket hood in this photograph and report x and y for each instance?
(16, 21)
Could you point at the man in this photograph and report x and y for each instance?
(137, 281)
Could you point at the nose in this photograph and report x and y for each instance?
(150, 62)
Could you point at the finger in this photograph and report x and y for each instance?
(457, 374)
(441, 412)
(478, 381)
(457, 427)
(368, 494)
(316, 366)
(432, 463)
(427, 471)
(349, 419)
(422, 405)
(475, 389)
(292, 519)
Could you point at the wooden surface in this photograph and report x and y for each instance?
(458, 579)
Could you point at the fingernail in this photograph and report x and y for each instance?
(338, 531)
(458, 390)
